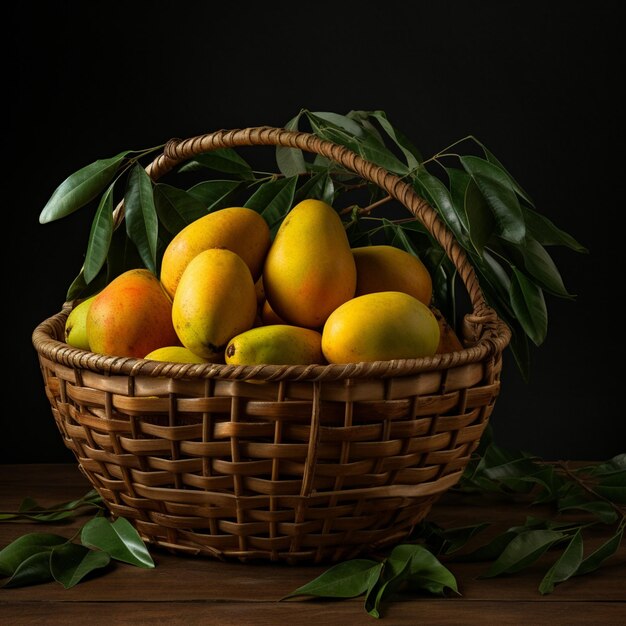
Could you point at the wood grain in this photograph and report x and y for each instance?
(199, 590)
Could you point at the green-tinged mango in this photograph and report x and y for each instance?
(76, 325)
(237, 229)
(175, 354)
(309, 270)
(131, 316)
(215, 300)
(277, 344)
(387, 268)
(379, 327)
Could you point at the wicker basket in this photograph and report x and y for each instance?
(282, 463)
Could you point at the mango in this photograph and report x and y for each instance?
(277, 344)
(379, 327)
(387, 268)
(448, 339)
(175, 354)
(215, 300)
(131, 316)
(309, 270)
(76, 325)
(269, 316)
(237, 229)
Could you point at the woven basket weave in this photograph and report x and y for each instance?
(283, 463)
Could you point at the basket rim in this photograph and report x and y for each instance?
(493, 338)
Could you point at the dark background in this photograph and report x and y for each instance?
(538, 83)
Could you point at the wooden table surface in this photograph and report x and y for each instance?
(196, 590)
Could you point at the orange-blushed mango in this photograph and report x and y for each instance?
(131, 316)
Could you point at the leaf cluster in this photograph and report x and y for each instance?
(36, 558)
(409, 568)
(596, 493)
(491, 216)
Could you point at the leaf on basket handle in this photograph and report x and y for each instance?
(81, 187)
(118, 539)
(142, 224)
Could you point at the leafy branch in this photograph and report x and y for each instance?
(489, 213)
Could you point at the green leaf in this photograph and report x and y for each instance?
(522, 551)
(80, 188)
(99, 237)
(176, 208)
(456, 538)
(425, 571)
(458, 181)
(411, 153)
(615, 493)
(394, 575)
(606, 550)
(347, 579)
(25, 547)
(319, 187)
(142, 225)
(31, 510)
(479, 218)
(565, 566)
(214, 194)
(396, 236)
(413, 567)
(530, 307)
(70, 563)
(339, 121)
(273, 200)
(491, 550)
(33, 570)
(541, 266)
(616, 464)
(123, 255)
(602, 510)
(119, 539)
(500, 196)
(547, 234)
(352, 136)
(516, 187)
(224, 160)
(291, 161)
(438, 196)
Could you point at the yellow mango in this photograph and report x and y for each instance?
(215, 300)
(309, 270)
(131, 316)
(76, 325)
(277, 344)
(237, 229)
(387, 268)
(379, 327)
(175, 354)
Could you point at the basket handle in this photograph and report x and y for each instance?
(177, 151)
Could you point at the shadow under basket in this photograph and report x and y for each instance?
(316, 463)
